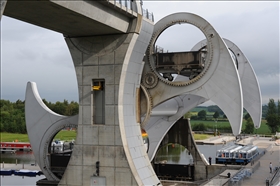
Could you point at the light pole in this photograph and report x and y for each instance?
(216, 125)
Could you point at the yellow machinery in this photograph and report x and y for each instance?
(97, 85)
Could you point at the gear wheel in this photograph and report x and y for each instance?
(150, 80)
(150, 51)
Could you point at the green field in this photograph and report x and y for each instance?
(9, 137)
(225, 124)
(62, 135)
(201, 136)
(65, 136)
(70, 135)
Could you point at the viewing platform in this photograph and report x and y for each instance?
(216, 140)
(257, 172)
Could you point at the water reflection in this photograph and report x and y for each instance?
(210, 150)
(19, 157)
(20, 180)
(178, 154)
(173, 154)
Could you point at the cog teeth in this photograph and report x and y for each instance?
(150, 49)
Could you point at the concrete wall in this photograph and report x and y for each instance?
(108, 58)
(214, 170)
(95, 141)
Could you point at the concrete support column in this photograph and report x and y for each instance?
(199, 163)
(98, 58)
(2, 7)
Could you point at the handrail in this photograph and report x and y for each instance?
(148, 15)
(276, 175)
(128, 6)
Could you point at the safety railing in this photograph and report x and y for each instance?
(276, 176)
(148, 15)
(128, 5)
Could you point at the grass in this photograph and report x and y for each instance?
(65, 135)
(202, 136)
(69, 135)
(225, 124)
(9, 137)
(62, 135)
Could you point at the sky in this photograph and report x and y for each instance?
(31, 53)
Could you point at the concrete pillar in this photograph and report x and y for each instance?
(2, 7)
(98, 58)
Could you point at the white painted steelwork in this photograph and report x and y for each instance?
(252, 100)
(42, 125)
(219, 81)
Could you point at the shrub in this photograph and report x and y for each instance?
(199, 127)
(194, 118)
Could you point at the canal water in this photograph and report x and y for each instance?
(171, 154)
(19, 157)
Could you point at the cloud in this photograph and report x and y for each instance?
(31, 53)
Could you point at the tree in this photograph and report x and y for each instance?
(201, 114)
(272, 118)
(249, 127)
(188, 115)
(278, 111)
(214, 108)
(247, 116)
(216, 115)
(199, 127)
(12, 115)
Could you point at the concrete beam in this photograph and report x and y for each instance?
(71, 18)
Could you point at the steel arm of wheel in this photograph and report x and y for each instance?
(219, 81)
(42, 125)
(252, 101)
(158, 126)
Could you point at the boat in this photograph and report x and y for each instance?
(57, 146)
(226, 154)
(7, 150)
(6, 172)
(246, 154)
(15, 146)
(24, 172)
(236, 154)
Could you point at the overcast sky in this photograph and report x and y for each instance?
(31, 53)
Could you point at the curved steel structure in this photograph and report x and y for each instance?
(159, 125)
(219, 81)
(42, 125)
(252, 100)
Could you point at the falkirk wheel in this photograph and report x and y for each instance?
(154, 90)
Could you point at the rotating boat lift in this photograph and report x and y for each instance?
(160, 95)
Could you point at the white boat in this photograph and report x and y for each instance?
(57, 146)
